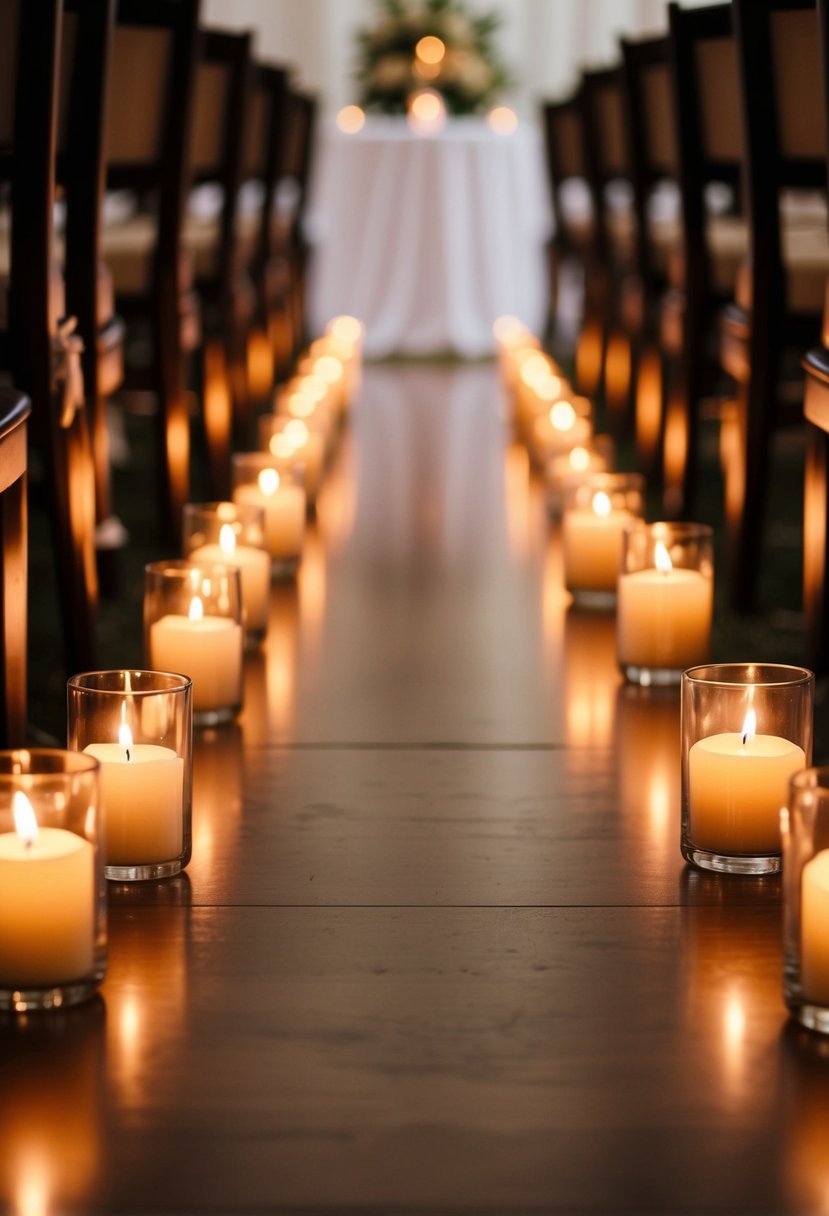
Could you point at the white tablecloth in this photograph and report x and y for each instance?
(427, 239)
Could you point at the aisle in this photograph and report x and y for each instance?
(435, 950)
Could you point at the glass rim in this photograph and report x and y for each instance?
(179, 567)
(66, 762)
(816, 777)
(177, 682)
(675, 529)
(717, 676)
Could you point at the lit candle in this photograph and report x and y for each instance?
(558, 430)
(663, 616)
(814, 929)
(47, 903)
(305, 443)
(208, 649)
(142, 788)
(255, 573)
(591, 540)
(284, 505)
(737, 783)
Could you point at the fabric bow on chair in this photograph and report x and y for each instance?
(67, 375)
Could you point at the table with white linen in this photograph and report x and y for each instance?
(428, 238)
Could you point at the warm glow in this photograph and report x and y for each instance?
(196, 611)
(347, 328)
(563, 416)
(579, 459)
(601, 503)
(734, 1022)
(508, 330)
(25, 821)
(281, 446)
(550, 388)
(535, 368)
(301, 404)
(269, 482)
(297, 433)
(430, 49)
(329, 368)
(32, 1192)
(125, 734)
(227, 540)
(351, 119)
(662, 558)
(426, 111)
(502, 120)
(749, 727)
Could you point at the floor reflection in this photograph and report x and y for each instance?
(591, 679)
(805, 1109)
(649, 771)
(218, 791)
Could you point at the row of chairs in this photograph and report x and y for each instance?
(113, 113)
(702, 158)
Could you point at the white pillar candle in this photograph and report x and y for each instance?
(663, 616)
(284, 513)
(591, 540)
(47, 903)
(208, 649)
(737, 783)
(142, 791)
(254, 570)
(814, 929)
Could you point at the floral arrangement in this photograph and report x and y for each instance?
(432, 44)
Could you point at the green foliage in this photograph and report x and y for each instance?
(469, 76)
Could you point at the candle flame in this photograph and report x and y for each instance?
(297, 432)
(579, 459)
(346, 327)
(749, 726)
(227, 539)
(563, 416)
(601, 503)
(662, 558)
(269, 481)
(25, 821)
(196, 611)
(125, 737)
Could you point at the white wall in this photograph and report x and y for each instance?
(544, 42)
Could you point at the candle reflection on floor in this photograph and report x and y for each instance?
(591, 679)
(217, 799)
(517, 498)
(805, 1114)
(648, 767)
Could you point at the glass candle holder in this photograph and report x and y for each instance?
(302, 439)
(595, 455)
(804, 826)
(275, 483)
(52, 889)
(193, 625)
(138, 725)
(746, 729)
(596, 512)
(665, 601)
(233, 534)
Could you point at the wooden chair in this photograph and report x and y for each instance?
(152, 85)
(214, 242)
(14, 412)
(657, 229)
(292, 200)
(36, 348)
(781, 286)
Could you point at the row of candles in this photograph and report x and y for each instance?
(116, 804)
(750, 800)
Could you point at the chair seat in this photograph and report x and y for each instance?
(805, 266)
(129, 250)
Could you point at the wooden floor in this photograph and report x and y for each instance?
(436, 951)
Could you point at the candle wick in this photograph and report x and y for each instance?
(745, 736)
(127, 750)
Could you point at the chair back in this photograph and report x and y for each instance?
(607, 146)
(264, 151)
(14, 411)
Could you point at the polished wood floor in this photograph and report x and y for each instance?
(436, 951)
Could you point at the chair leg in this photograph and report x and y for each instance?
(816, 549)
(13, 599)
(218, 418)
(745, 479)
(173, 424)
(648, 409)
(683, 392)
(72, 501)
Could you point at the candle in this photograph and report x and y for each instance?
(47, 903)
(592, 544)
(208, 649)
(305, 444)
(255, 573)
(737, 783)
(142, 788)
(663, 616)
(814, 929)
(284, 505)
(558, 430)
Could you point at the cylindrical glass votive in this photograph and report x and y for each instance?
(303, 439)
(593, 456)
(665, 600)
(233, 534)
(277, 485)
(596, 513)
(138, 725)
(805, 831)
(52, 888)
(746, 729)
(192, 625)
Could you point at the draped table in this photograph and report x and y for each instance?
(427, 239)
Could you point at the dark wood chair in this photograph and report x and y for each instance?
(152, 86)
(780, 288)
(709, 137)
(292, 199)
(14, 412)
(37, 348)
